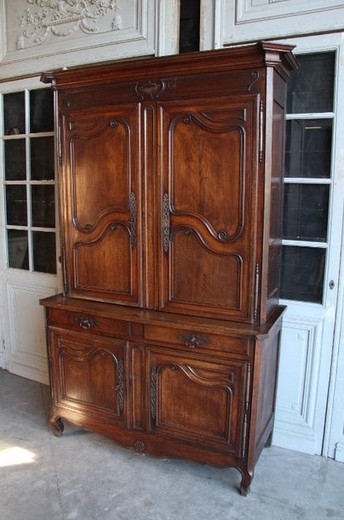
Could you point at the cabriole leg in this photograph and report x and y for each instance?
(57, 426)
(245, 483)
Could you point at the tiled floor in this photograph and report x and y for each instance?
(84, 476)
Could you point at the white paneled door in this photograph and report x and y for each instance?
(312, 238)
(29, 267)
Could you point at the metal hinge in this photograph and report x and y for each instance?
(64, 273)
(246, 411)
(59, 146)
(256, 291)
(261, 129)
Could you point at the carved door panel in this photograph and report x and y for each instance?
(101, 197)
(88, 375)
(208, 202)
(201, 402)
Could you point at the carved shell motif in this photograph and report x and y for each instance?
(150, 89)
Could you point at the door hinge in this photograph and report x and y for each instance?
(246, 410)
(256, 291)
(261, 128)
(59, 146)
(63, 261)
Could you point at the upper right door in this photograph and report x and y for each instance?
(209, 165)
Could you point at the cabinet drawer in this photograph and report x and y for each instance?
(197, 340)
(86, 322)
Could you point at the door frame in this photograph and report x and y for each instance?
(318, 326)
(23, 352)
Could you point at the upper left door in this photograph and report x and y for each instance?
(29, 238)
(101, 203)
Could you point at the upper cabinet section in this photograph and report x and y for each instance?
(250, 20)
(38, 34)
(168, 169)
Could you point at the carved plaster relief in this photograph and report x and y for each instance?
(38, 35)
(61, 18)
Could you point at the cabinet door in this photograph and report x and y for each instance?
(88, 375)
(101, 204)
(208, 195)
(199, 401)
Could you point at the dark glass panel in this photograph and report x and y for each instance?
(42, 158)
(189, 26)
(14, 113)
(16, 205)
(311, 87)
(43, 206)
(44, 252)
(41, 110)
(302, 274)
(15, 160)
(308, 148)
(17, 249)
(305, 212)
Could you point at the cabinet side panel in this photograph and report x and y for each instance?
(264, 393)
(276, 201)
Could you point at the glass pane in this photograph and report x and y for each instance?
(41, 110)
(308, 148)
(302, 273)
(189, 25)
(17, 249)
(311, 87)
(43, 206)
(16, 205)
(44, 252)
(42, 158)
(14, 113)
(305, 212)
(15, 160)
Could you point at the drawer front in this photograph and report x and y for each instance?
(86, 322)
(195, 340)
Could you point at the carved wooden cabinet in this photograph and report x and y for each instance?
(166, 337)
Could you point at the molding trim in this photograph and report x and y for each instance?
(339, 452)
(295, 419)
(248, 11)
(31, 360)
(250, 20)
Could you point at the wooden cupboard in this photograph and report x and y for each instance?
(170, 174)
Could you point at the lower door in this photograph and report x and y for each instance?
(29, 269)
(197, 401)
(87, 375)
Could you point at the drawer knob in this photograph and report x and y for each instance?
(86, 323)
(193, 340)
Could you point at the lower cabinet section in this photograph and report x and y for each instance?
(203, 390)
